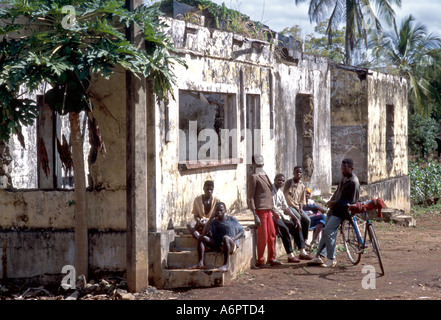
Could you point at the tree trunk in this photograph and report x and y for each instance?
(81, 230)
(349, 30)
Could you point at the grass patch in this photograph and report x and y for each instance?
(434, 210)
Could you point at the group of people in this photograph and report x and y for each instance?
(283, 208)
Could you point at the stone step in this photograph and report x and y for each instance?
(390, 213)
(183, 254)
(181, 278)
(186, 259)
(405, 221)
(387, 213)
(184, 242)
(181, 231)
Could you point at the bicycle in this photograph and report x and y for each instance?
(355, 245)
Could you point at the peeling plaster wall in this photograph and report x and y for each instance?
(215, 60)
(349, 114)
(42, 253)
(369, 124)
(384, 89)
(109, 99)
(388, 164)
(310, 77)
(38, 225)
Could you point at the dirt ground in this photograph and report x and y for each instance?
(411, 258)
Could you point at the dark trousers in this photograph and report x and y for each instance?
(287, 228)
(305, 221)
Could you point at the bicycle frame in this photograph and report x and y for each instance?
(354, 223)
(362, 241)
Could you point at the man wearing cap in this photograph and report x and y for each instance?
(260, 202)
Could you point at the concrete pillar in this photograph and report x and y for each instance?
(136, 174)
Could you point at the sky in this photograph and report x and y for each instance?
(279, 14)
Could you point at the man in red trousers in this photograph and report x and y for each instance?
(260, 202)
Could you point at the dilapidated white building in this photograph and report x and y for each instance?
(237, 96)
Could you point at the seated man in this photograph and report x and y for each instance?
(287, 222)
(295, 195)
(203, 207)
(317, 215)
(221, 233)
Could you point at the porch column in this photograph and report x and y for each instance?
(136, 172)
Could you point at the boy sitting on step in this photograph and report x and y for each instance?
(221, 233)
(203, 207)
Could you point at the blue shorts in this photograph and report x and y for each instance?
(316, 219)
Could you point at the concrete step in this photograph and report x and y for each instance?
(395, 216)
(192, 278)
(177, 274)
(387, 213)
(405, 221)
(184, 242)
(186, 259)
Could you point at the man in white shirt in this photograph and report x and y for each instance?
(287, 223)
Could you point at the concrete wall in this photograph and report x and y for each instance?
(37, 231)
(309, 78)
(37, 252)
(217, 62)
(235, 65)
(369, 124)
(395, 192)
(384, 90)
(349, 118)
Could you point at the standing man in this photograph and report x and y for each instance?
(260, 202)
(348, 191)
(295, 194)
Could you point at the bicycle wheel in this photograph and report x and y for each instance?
(350, 242)
(375, 246)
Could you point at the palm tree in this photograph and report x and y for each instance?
(410, 50)
(357, 15)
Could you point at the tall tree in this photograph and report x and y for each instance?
(357, 16)
(63, 43)
(411, 50)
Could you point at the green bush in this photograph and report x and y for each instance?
(422, 134)
(425, 182)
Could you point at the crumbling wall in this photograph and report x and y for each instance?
(302, 120)
(37, 226)
(218, 62)
(369, 124)
(349, 116)
(387, 127)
